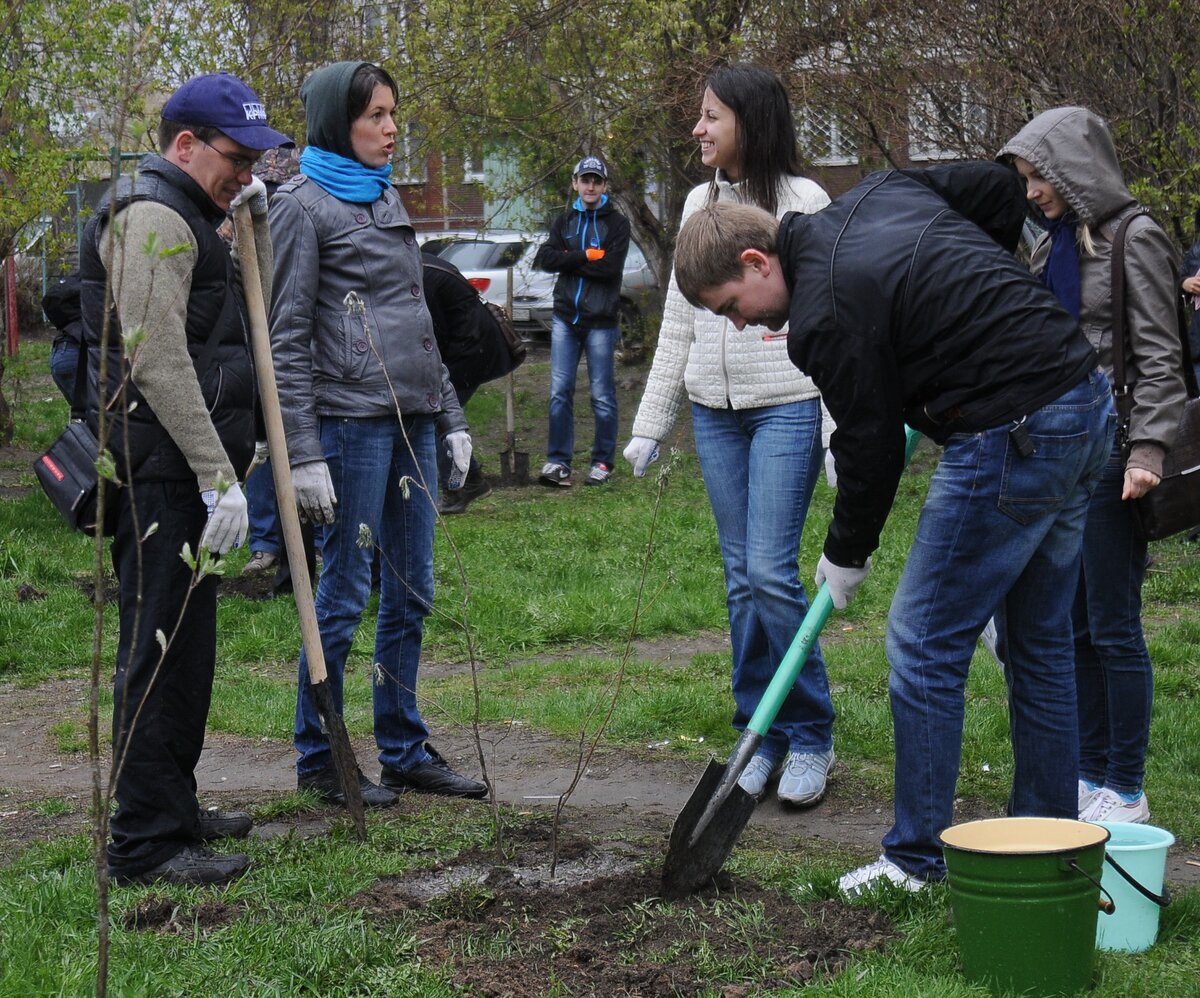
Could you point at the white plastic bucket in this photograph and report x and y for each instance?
(1141, 851)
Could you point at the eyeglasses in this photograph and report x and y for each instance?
(240, 163)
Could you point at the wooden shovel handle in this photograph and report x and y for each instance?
(281, 468)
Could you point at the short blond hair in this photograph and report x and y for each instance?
(708, 251)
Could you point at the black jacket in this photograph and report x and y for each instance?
(588, 292)
(903, 311)
(216, 334)
(470, 341)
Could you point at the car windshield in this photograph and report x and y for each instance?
(482, 255)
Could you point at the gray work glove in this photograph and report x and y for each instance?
(830, 470)
(262, 454)
(458, 444)
(843, 581)
(314, 492)
(641, 452)
(253, 194)
(228, 519)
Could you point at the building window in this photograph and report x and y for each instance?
(945, 121)
(472, 166)
(826, 140)
(411, 160)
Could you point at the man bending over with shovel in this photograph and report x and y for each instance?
(905, 304)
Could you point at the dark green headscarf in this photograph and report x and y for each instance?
(326, 99)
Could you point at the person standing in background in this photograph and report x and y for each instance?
(586, 248)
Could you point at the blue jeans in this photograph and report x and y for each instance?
(1113, 676)
(265, 532)
(64, 364)
(1000, 534)
(567, 343)
(759, 467)
(368, 458)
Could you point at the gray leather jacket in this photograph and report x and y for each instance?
(329, 359)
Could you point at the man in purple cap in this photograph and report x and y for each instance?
(178, 404)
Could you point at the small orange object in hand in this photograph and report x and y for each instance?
(595, 253)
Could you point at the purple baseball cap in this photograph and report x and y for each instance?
(222, 101)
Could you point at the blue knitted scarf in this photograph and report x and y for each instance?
(346, 179)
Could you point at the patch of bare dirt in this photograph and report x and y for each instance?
(600, 927)
(168, 916)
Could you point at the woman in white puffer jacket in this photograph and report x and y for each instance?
(758, 428)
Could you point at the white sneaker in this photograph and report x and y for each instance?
(804, 777)
(1087, 790)
(1108, 805)
(758, 773)
(875, 875)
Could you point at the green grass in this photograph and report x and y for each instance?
(553, 579)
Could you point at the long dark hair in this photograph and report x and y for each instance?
(766, 133)
(362, 88)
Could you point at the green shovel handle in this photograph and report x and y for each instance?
(797, 654)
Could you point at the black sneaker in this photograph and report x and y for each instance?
(329, 788)
(457, 501)
(554, 474)
(216, 824)
(599, 474)
(432, 777)
(191, 865)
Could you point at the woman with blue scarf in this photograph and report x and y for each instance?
(1074, 183)
(365, 397)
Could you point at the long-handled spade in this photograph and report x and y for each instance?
(339, 737)
(714, 816)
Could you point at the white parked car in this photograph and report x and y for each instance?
(484, 261)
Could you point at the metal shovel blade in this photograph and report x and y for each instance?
(691, 865)
(343, 755)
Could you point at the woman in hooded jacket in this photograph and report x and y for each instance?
(758, 426)
(1074, 182)
(364, 395)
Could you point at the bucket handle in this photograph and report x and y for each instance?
(1162, 900)
(1108, 906)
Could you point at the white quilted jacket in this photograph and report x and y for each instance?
(704, 355)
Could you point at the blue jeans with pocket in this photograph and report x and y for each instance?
(760, 467)
(1000, 534)
(369, 461)
(1113, 674)
(567, 344)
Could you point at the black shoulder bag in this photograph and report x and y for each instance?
(67, 470)
(1173, 505)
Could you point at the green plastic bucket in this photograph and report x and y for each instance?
(1025, 894)
(1141, 851)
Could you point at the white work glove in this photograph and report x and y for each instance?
(254, 194)
(641, 453)
(228, 519)
(843, 581)
(830, 470)
(458, 444)
(314, 491)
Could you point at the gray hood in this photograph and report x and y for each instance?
(1071, 148)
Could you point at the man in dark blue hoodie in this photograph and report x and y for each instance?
(586, 248)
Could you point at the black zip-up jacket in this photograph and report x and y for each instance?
(904, 310)
(587, 293)
(215, 311)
